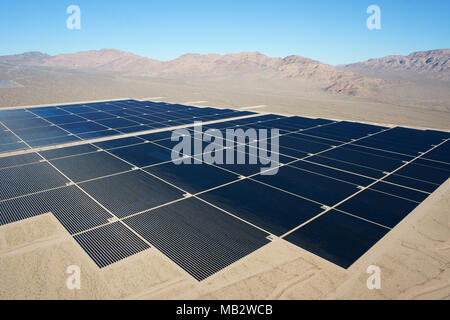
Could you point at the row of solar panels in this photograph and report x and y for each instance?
(189, 231)
(46, 126)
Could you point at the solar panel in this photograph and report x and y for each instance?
(87, 121)
(68, 151)
(332, 173)
(339, 186)
(7, 137)
(25, 123)
(412, 183)
(19, 181)
(337, 237)
(90, 166)
(132, 192)
(13, 147)
(406, 193)
(144, 154)
(309, 185)
(378, 207)
(18, 160)
(192, 178)
(117, 143)
(110, 243)
(424, 173)
(199, 238)
(74, 209)
(271, 209)
(52, 141)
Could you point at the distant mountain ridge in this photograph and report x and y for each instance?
(342, 80)
(432, 64)
(32, 57)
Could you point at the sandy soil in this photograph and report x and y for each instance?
(411, 104)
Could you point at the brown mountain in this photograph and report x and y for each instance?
(433, 64)
(26, 58)
(110, 60)
(250, 64)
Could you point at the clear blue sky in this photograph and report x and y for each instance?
(333, 32)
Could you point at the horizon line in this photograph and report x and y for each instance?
(220, 54)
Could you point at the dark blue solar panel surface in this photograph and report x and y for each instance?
(90, 166)
(30, 178)
(132, 192)
(18, 160)
(337, 237)
(117, 143)
(143, 154)
(192, 178)
(52, 141)
(441, 153)
(110, 243)
(97, 120)
(310, 185)
(273, 210)
(324, 164)
(73, 208)
(379, 207)
(198, 237)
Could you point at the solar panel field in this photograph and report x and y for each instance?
(105, 171)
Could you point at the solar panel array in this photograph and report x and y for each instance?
(46, 126)
(340, 186)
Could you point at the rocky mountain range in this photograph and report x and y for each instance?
(343, 79)
(433, 64)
